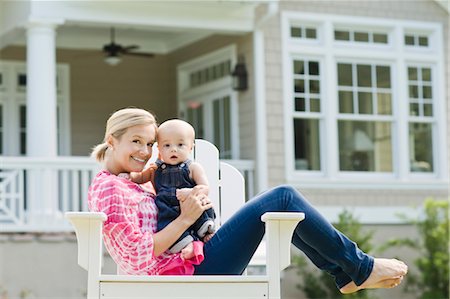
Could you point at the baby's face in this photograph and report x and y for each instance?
(174, 146)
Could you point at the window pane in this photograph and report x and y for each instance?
(426, 90)
(296, 32)
(365, 103)
(307, 144)
(409, 40)
(195, 118)
(426, 74)
(383, 76)
(23, 126)
(313, 68)
(299, 67)
(222, 127)
(344, 74)
(384, 103)
(346, 102)
(414, 109)
(341, 35)
(314, 86)
(421, 147)
(428, 110)
(314, 105)
(226, 129)
(299, 85)
(412, 73)
(361, 36)
(364, 75)
(365, 146)
(413, 91)
(311, 33)
(300, 104)
(423, 41)
(380, 38)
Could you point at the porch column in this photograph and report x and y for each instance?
(41, 89)
(42, 193)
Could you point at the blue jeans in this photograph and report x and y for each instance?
(234, 244)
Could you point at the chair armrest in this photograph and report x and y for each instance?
(88, 229)
(279, 229)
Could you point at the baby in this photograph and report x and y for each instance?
(175, 174)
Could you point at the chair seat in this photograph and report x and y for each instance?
(133, 287)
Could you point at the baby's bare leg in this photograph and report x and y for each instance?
(188, 251)
(386, 273)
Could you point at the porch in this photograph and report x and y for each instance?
(35, 192)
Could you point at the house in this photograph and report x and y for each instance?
(345, 100)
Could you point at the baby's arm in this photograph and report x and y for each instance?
(145, 175)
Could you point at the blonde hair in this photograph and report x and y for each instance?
(117, 125)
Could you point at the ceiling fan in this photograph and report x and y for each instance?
(115, 51)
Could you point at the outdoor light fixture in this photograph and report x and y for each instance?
(239, 75)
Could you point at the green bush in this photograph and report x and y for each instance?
(318, 284)
(432, 279)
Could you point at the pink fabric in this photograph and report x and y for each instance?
(129, 228)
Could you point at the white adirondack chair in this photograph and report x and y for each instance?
(227, 194)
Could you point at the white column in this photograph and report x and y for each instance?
(41, 89)
(42, 192)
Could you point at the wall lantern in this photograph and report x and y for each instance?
(239, 75)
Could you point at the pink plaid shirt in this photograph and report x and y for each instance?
(128, 231)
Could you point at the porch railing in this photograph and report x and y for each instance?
(36, 192)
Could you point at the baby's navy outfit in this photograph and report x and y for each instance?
(169, 178)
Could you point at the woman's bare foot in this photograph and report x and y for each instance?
(386, 273)
(188, 251)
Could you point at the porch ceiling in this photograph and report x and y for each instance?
(156, 26)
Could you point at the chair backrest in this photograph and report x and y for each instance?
(226, 183)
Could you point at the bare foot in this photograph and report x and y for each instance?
(207, 237)
(188, 251)
(386, 273)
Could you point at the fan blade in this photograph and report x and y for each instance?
(149, 55)
(128, 48)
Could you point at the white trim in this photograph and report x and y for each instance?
(371, 215)
(259, 71)
(328, 52)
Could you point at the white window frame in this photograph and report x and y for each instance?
(207, 92)
(12, 98)
(329, 52)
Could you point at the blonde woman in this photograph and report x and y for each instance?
(132, 240)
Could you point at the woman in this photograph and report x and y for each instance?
(130, 231)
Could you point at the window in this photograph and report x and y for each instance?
(208, 102)
(303, 32)
(421, 118)
(361, 36)
(416, 40)
(307, 102)
(13, 109)
(363, 112)
(364, 145)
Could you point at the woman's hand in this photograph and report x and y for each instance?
(183, 193)
(193, 206)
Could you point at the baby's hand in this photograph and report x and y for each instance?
(124, 175)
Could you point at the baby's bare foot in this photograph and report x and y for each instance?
(188, 251)
(386, 273)
(207, 237)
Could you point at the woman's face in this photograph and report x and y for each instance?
(132, 150)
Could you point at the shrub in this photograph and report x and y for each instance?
(432, 279)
